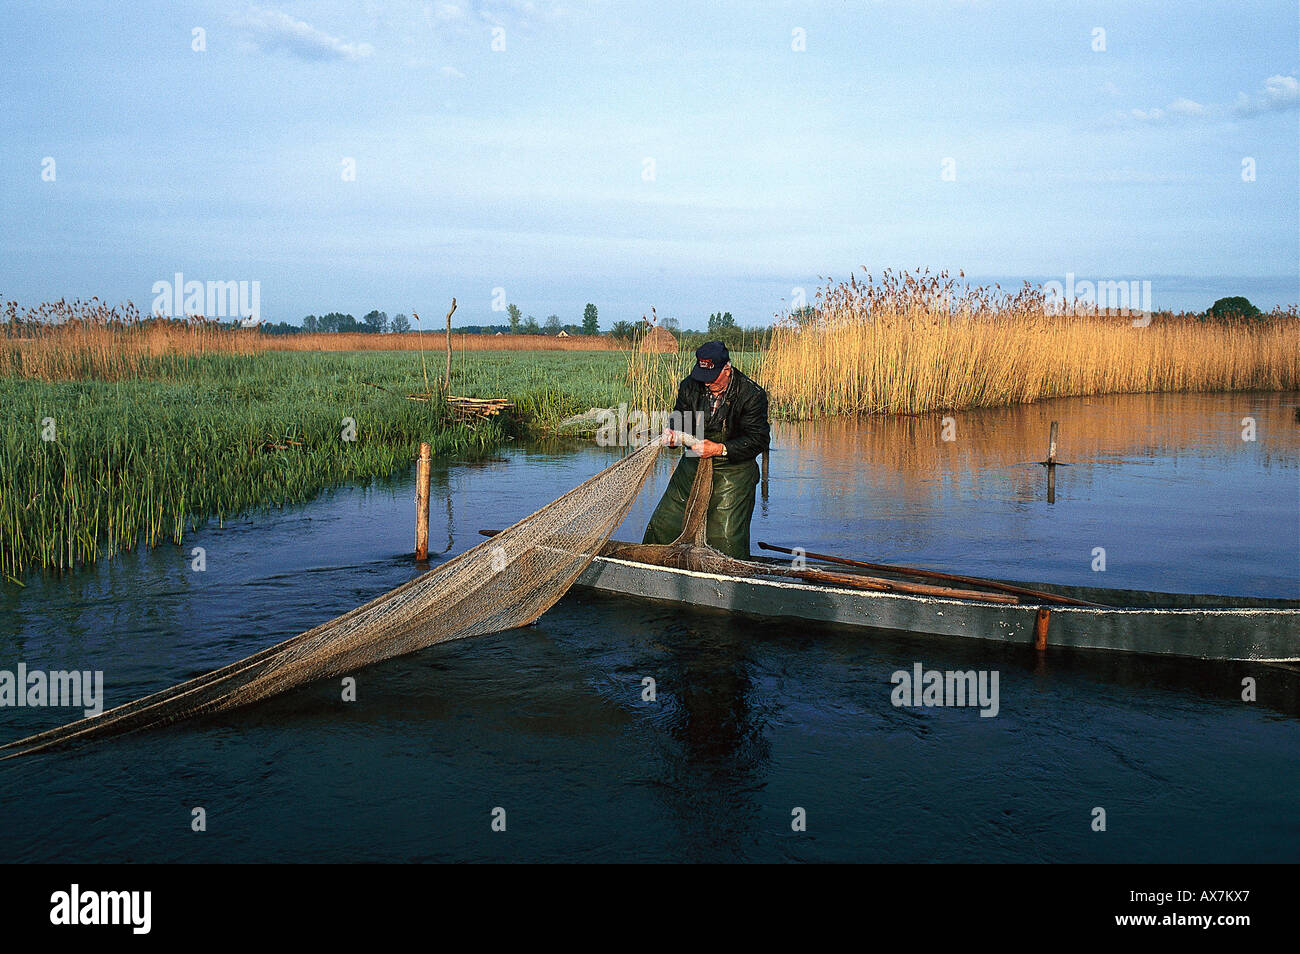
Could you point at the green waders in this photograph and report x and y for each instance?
(730, 508)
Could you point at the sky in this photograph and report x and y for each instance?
(691, 157)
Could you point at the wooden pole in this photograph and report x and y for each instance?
(1051, 464)
(446, 381)
(1041, 622)
(422, 503)
(935, 575)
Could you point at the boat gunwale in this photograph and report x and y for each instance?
(1286, 606)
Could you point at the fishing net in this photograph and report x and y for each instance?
(506, 581)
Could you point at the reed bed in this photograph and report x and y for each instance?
(91, 340)
(76, 340)
(910, 343)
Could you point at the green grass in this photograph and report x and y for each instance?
(147, 460)
(142, 461)
(545, 386)
(549, 386)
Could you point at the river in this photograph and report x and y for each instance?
(752, 720)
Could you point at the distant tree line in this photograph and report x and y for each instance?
(374, 323)
(720, 326)
(378, 322)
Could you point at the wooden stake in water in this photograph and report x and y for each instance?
(422, 503)
(1051, 464)
(1042, 622)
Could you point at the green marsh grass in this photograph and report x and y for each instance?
(140, 461)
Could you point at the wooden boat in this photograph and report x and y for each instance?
(1163, 624)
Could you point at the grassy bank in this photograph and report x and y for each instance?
(141, 460)
(144, 442)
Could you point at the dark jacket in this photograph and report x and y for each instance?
(740, 421)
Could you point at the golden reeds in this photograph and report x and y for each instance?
(72, 340)
(913, 343)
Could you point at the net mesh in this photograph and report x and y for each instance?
(506, 581)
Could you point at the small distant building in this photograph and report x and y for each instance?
(562, 334)
(497, 335)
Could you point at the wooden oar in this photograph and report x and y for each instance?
(1038, 595)
(857, 581)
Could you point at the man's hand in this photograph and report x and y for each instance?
(708, 448)
(669, 437)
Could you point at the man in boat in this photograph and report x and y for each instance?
(730, 410)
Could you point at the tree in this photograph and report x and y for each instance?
(336, 322)
(516, 317)
(552, 324)
(672, 324)
(376, 322)
(625, 330)
(720, 322)
(529, 326)
(1235, 307)
(310, 323)
(400, 324)
(590, 323)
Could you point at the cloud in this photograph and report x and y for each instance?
(452, 73)
(1279, 93)
(275, 32)
(1187, 107)
(445, 12)
(513, 13)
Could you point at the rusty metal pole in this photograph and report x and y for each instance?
(422, 503)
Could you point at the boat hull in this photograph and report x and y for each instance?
(1203, 627)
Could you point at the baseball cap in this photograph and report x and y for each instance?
(710, 358)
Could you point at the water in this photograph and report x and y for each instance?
(752, 719)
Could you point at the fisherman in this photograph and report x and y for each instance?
(730, 411)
